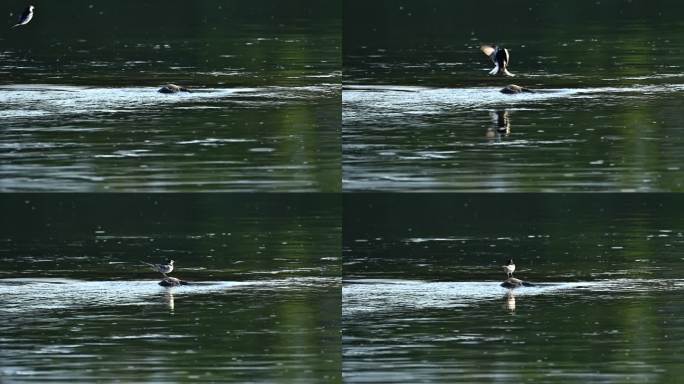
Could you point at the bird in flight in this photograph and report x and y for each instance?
(500, 57)
(25, 17)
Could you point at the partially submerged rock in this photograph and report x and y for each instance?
(172, 282)
(172, 88)
(515, 283)
(513, 89)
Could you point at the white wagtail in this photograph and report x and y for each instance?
(162, 268)
(509, 268)
(500, 57)
(25, 17)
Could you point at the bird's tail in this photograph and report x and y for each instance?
(15, 25)
(495, 70)
(146, 263)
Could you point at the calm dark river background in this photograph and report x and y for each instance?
(422, 301)
(80, 111)
(311, 96)
(77, 304)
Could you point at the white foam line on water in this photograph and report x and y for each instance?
(371, 295)
(398, 101)
(32, 294)
(650, 77)
(55, 99)
(213, 142)
(436, 239)
(49, 293)
(35, 100)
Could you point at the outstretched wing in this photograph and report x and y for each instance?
(487, 49)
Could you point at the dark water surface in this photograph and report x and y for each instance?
(263, 303)
(422, 301)
(421, 113)
(80, 111)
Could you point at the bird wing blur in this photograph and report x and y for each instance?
(487, 50)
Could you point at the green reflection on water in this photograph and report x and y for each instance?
(619, 136)
(278, 322)
(597, 40)
(551, 237)
(553, 339)
(231, 236)
(420, 320)
(152, 42)
(283, 136)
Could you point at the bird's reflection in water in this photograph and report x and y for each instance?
(502, 124)
(510, 301)
(168, 298)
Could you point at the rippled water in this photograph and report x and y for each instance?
(421, 113)
(262, 302)
(422, 300)
(478, 139)
(80, 111)
(600, 331)
(65, 330)
(74, 138)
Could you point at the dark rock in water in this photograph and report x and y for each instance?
(515, 89)
(172, 88)
(515, 283)
(172, 282)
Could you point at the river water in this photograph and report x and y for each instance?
(262, 302)
(80, 109)
(422, 114)
(422, 300)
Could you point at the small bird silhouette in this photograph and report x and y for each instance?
(161, 268)
(25, 17)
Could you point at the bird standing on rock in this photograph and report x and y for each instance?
(509, 268)
(162, 268)
(25, 17)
